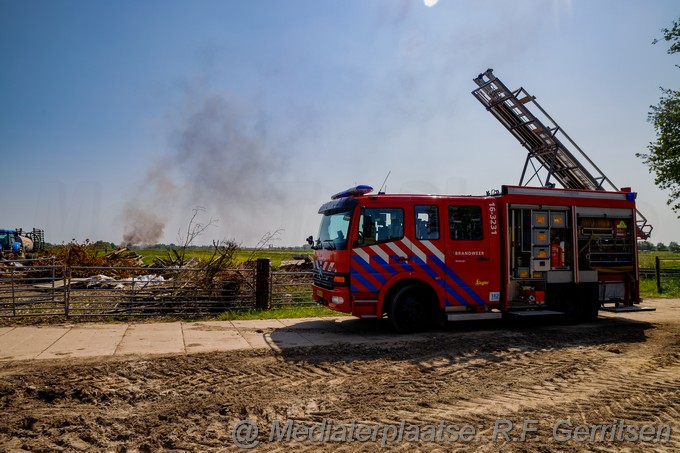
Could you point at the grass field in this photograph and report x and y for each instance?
(276, 256)
(670, 286)
(669, 260)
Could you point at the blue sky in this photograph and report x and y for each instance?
(119, 118)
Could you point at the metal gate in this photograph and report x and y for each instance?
(28, 288)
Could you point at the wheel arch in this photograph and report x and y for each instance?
(388, 292)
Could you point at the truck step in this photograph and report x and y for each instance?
(473, 316)
(634, 308)
(524, 313)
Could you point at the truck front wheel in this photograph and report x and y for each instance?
(409, 310)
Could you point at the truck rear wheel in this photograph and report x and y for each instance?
(580, 303)
(409, 311)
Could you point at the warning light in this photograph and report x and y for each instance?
(353, 192)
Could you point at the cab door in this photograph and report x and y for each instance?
(467, 254)
(378, 254)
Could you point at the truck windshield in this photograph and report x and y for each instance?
(333, 230)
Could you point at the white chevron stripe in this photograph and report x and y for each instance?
(363, 255)
(380, 252)
(435, 251)
(415, 250)
(395, 248)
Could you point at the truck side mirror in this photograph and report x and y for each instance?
(310, 240)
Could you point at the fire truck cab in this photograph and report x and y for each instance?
(521, 251)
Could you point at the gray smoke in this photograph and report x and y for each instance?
(142, 227)
(221, 158)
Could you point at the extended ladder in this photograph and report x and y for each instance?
(549, 147)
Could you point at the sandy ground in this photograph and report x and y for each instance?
(456, 390)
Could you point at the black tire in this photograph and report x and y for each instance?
(410, 311)
(591, 295)
(592, 311)
(581, 303)
(574, 311)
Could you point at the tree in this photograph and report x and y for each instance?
(674, 247)
(661, 247)
(663, 158)
(646, 246)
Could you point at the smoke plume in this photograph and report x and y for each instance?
(142, 227)
(222, 158)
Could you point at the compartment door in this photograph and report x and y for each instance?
(468, 260)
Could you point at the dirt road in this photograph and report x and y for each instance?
(459, 389)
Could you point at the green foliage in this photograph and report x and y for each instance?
(661, 247)
(670, 288)
(105, 246)
(671, 35)
(646, 246)
(663, 158)
(674, 247)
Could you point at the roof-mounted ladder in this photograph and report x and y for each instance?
(549, 147)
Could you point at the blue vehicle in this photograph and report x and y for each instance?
(17, 243)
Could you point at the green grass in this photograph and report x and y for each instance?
(276, 256)
(669, 260)
(151, 254)
(292, 311)
(670, 287)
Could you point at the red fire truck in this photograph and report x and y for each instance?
(522, 251)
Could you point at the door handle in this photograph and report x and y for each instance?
(482, 258)
(402, 258)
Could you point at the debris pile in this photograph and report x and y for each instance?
(126, 256)
(300, 262)
(100, 281)
(87, 254)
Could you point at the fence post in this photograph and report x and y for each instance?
(658, 274)
(53, 293)
(67, 289)
(262, 279)
(14, 301)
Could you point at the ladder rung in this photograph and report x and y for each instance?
(523, 124)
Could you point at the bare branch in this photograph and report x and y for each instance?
(194, 230)
(265, 240)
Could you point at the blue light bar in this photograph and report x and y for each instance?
(353, 192)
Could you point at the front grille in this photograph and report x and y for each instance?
(324, 279)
